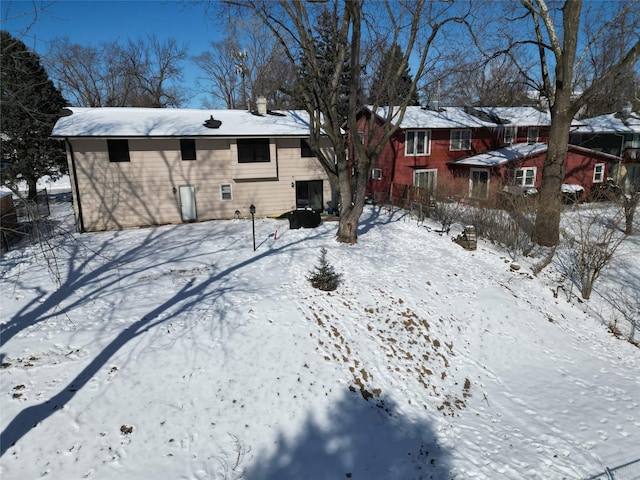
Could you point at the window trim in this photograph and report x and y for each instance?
(598, 177)
(460, 140)
(481, 170)
(188, 149)
(514, 134)
(426, 146)
(376, 174)
(530, 130)
(523, 182)
(118, 150)
(433, 171)
(222, 192)
(250, 145)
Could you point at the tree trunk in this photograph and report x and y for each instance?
(547, 225)
(33, 188)
(348, 225)
(630, 205)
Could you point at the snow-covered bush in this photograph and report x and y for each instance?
(323, 276)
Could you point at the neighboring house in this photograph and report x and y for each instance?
(428, 140)
(616, 134)
(518, 167)
(134, 167)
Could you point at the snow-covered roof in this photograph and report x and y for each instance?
(445, 117)
(609, 123)
(166, 122)
(518, 116)
(469, 117)
(493, 158)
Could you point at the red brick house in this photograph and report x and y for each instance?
(617, 134)
(519, 168)
(428, 140)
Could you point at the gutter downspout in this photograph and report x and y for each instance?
(76, 189)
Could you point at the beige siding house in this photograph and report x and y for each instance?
(133, 167)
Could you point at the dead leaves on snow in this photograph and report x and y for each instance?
(403, 338)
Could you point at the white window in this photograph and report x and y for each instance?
(532, 135)
(509, 135)
(417, 142)
(426, 179)
(376, 174)
(479, 184)
(460, 140)
(635, 141)
(526, 177)
(598, 173)
(225, 192)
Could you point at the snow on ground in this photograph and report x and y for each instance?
(59, 185)
(178, 352)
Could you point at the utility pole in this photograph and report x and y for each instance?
(241, 69)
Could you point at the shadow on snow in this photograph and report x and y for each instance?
(356, 439)
(103, 281)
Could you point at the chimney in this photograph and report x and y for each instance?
(262, 105)
(626, 109)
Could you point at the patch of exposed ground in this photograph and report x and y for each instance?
(410, 355)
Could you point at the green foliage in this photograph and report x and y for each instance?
(384, 91)
(324, 276)
(326, 43)
(30, 106)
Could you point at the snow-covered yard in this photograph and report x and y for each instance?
(178, 352)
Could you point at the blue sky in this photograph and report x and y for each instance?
(90, 22)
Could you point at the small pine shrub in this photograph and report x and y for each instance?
(324, 276)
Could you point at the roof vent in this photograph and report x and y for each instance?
(212, 123)
(626, 109)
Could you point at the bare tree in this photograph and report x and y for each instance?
(597, 238)
(89, 76)
(561, 50)
(608, 47)
(412, 26)
(220, 69)
(154, 67)
(140, 73)
(464, 80)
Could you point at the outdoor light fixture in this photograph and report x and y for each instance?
(252, 210)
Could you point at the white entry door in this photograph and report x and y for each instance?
(188, 203)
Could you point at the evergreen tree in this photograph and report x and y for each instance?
(324, 277)
(327, 42)
(383, 90)
(30, 105)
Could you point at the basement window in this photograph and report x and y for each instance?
(118, 150)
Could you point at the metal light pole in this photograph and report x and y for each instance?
(252, 209)
(241, 69)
